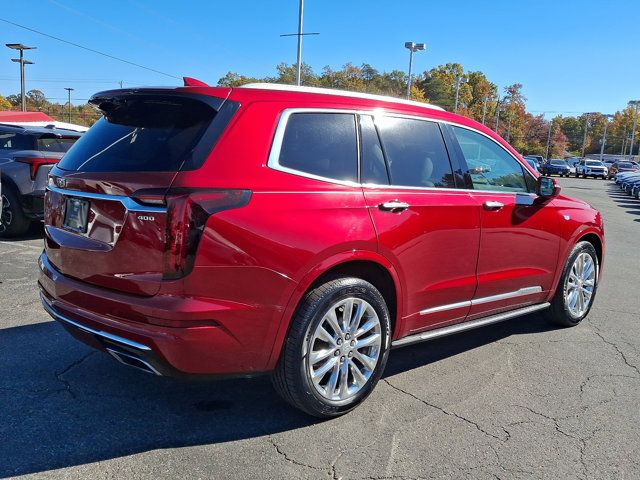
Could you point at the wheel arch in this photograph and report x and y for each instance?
(370, 266)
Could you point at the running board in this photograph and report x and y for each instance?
(463, 327)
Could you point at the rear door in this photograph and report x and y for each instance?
(520, 234)
(104, 215)
(427, 227)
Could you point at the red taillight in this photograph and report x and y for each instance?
(35, 163)
(187, 212)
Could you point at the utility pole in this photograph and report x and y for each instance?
(299, 35)
(624, 142)
(69, 90)
(634, 103)
(459, 79)
(498, 111)
(22, 62)
(604, 135)
(509, 128)
(546, 156)
(586, 126)
(484, 109)
(413, 47)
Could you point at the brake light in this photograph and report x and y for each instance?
(188, 210)
(35, 163)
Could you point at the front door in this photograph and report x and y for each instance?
(520, 242)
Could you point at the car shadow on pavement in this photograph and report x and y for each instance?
(35, 232)
(624, 201)
(64, 404)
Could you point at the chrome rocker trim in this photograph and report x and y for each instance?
(479, 301)
(462, 327)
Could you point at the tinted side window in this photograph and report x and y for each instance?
(415, 152)
(322, 144)
(491, 167)
(374, 169)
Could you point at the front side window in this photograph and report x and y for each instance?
(415, 152)
(490, 166)
(322, 144)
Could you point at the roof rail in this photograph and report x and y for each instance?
(342, 93)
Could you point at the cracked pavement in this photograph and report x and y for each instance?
(520, 400)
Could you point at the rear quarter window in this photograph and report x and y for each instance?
(58, 145)
(321, 144)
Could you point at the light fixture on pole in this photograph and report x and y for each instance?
(299, 35)
(22, 62)
(634, 104)
(604, 135)
(459, 79)
(69, 90)
(413, 47)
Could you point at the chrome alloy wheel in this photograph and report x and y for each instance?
(580, 284)
(344, 349)
(6, 214)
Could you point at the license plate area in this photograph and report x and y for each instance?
(75, 214)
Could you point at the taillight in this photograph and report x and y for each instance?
(188, 210)
(35, 163)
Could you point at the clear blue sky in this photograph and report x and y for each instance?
(571, 56)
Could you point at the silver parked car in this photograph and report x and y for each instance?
(27, 154)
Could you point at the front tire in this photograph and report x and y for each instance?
(336, 349)
(577, 287)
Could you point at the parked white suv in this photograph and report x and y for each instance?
(591, 168)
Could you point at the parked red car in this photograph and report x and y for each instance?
(303, 232)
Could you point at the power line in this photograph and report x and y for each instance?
(86, 48)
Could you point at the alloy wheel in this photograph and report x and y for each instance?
(344, 349)
(578, 291)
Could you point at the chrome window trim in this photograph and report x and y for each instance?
(479, 301)
(129, 204)
(276, 145)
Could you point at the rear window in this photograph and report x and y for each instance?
(322, 144)
(558, 162)
(626, 165)
(141, 134)
(15, 141)
(59, 145)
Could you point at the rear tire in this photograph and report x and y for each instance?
(14, 221)
(576, 290)
(322, 370)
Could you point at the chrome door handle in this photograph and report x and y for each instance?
(491, 205)
(393, 206)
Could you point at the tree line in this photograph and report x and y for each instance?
(478, 98)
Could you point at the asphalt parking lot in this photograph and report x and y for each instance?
(518, 400)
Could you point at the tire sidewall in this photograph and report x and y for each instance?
(348, 287)
(581, 247)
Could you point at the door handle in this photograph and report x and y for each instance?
(393, 206)
(491, 205)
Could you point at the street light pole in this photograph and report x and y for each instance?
(604, 135)
(413, 47)
(22, 62)
(586, 126)
(546, 156)
(635, 104)
(458, 81)
(69, 90)
(484, 109)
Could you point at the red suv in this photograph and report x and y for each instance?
(303, 232)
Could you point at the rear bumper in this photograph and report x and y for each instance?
(102, 319)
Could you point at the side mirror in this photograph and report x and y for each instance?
(547, 187)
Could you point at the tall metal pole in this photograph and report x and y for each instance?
(546, 155)
(584, 138)
(69, 89)
(509, 128)
(299, 56)
(484, 109)
(22, 62)
(604, 135)
(624, 143)
(455, 107)
(635, 124)
(410, 67)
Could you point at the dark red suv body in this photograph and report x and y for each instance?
(186, 230)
